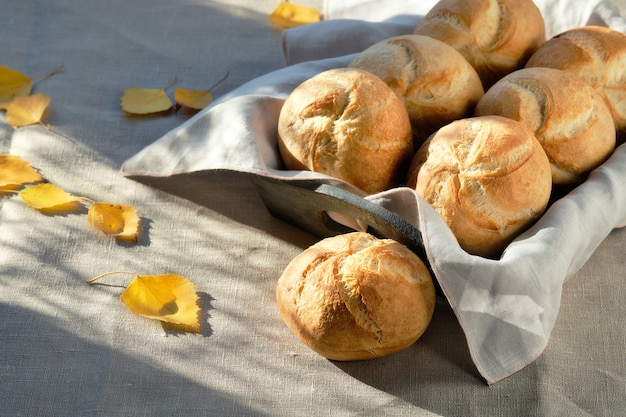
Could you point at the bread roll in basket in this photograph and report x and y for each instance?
(496, 37)
(488, 177)
(346, 123)
(570, 119)
(597, 55)
(434, 81)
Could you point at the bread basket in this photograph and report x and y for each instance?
(506, 307)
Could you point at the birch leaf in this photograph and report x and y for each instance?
(13, 84)
(138, 100)
(49, 198)
(16, 172)
(196, 99)
(170, 298)
(289, 15)
(193, 99)
(119, 220)
(27, 110)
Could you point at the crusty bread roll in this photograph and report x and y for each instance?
(354, 296)
(495, 36)
(346, 123)
(434, 81)
(597, 55)
(569, 118)
(488, 177)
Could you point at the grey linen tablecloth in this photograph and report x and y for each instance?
(67, 349)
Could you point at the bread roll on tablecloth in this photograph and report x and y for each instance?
(598, 56)
(570, 119)
(354, 297)
(434, 81)
(496, 37)
(346, 123)
(488, 177)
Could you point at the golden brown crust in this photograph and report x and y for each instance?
(488, 177)
(598, 56)
(568, 117)
(346, 123)
(434, 81)
(354, 297)
(495, 36)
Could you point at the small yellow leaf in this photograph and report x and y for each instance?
(170, 298)
(27, 110)
(16, 172)
(13, 84)
(50, 199)
(289, 15)
(194, 99)
(119, 220)
(145, 100)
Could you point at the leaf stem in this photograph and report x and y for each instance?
(94, 279)
(220, 81)
(14, 192)
(48, 74)
(170, 83)
(87, 200)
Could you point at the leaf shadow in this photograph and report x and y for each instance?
(103, 284)
(204, 302)
(145, 225)
(65, 210)
(148, 116)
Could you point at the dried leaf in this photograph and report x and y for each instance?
(119, 220)
(194, 99)
(13, 84)
(145, 100)
(49, 198)
(170, 298)
(27, 110)
(289, 15)
(16, 172)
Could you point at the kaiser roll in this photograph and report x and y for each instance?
(488, 177)
(346, 123)
(495, 36)
(434, 81)
(354, 296)
(597, 55)
(569, 118)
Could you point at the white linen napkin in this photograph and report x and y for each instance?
(507, 307)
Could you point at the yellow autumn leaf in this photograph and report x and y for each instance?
(138, 100)
(194, 99)
(170, 298)
(13, 84)
(119, 220)
(16, 172)
(289, 15)
(27, 110)
(49, 198)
